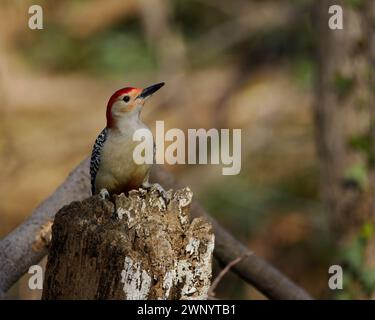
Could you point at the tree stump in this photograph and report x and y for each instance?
(133, 247)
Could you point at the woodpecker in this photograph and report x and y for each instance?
(112, 168)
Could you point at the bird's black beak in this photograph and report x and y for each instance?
(146, 92)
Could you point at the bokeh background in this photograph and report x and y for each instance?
(226, 64)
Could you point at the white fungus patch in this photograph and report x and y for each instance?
(184, 200)
(168, 282)
(158, 202)
(120, 213)
(161, 204)
(182, 217)
(200, 274)
(131, 220)
(137, 282)
(196, 277)
(193, 246)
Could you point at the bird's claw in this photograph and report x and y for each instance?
(104, 194)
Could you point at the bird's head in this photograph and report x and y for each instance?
(127, 102)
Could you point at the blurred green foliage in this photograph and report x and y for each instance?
(343, 85)
(356, 4)
(193, 16)
(361, 143)
(359, 279)
(358, 172)
(117, 51)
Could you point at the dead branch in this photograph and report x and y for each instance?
(16, 253)
(24, 246)
(215, 283)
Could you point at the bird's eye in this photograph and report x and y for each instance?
(126, 98)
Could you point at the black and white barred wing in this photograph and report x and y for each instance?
(95, 157)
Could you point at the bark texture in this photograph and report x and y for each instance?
(341, 89)
(134, 247)
(369, 17)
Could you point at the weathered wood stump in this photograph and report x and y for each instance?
(134, 247)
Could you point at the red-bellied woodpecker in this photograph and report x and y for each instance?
(112, 167)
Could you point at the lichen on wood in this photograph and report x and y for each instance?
(132, 247)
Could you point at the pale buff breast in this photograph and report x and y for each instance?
(117, 170)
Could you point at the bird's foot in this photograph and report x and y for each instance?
(104, 194)
(156, 186)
